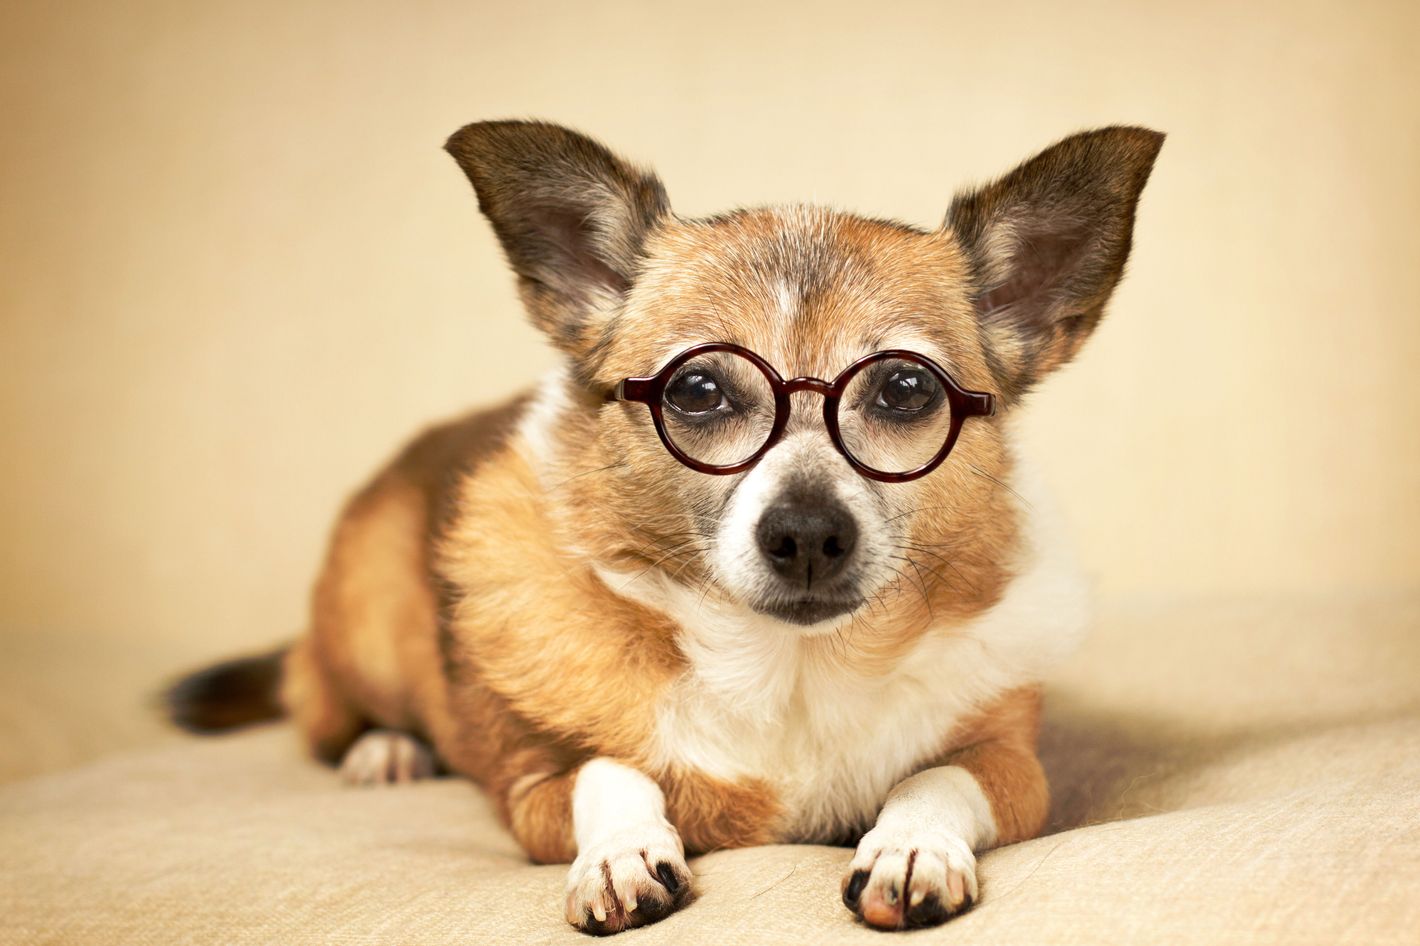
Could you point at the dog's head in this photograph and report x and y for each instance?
(1007, 290)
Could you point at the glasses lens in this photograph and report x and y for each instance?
(895, 416)
(718, 409)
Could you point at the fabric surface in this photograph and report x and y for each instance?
(1224, 772)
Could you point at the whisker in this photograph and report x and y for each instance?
(945, 561)
(578, 476)
(917, 509)
(658, 561)
(689, 560)
(926, 599)
(936, 574)
(980, 472)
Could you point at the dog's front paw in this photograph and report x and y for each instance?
(899, 881)
(630, 879)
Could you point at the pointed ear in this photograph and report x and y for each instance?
(1047, 245)
(572, 218)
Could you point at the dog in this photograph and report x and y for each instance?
(757, 563)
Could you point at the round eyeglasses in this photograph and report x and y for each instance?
(719, 408)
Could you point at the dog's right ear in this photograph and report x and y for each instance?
(572, 218)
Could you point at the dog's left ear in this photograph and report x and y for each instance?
(1047, 245)
(572, 218)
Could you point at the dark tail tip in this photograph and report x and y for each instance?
(228, 695)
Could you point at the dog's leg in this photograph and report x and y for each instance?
(917, 866)
(387, 757)
(630, 868)
(630, 865)
(326, 721)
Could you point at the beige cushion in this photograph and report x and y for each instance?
(1237, 772)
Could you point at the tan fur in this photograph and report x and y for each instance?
(539, 813)
(712, 814)
(372, 657)
(998, 747)
(601, 659)
(325, 719)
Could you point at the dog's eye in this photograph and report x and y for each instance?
(909, 391)
(696, 392)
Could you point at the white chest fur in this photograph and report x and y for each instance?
(760, 701)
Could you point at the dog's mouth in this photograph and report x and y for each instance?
(807, 610)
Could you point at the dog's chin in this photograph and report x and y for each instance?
(812, 612)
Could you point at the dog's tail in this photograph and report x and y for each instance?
(228, 695)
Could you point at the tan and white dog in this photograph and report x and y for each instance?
(641, 660)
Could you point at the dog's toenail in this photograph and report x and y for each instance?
(854, 890)
(929, 912)
(652, 910)
(668, 877)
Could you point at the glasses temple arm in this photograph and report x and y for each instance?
(630, 389)
(980, 403)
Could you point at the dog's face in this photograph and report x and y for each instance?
(801, 535)
(1006, 291)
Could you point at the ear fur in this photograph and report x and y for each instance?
(1047, 245)
(572, 218)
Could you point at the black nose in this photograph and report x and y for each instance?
(807, 543)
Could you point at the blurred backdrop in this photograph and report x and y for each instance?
(238, 270)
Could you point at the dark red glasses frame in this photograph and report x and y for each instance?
(649, 391)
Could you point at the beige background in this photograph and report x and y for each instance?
(238, 270)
